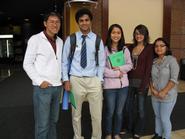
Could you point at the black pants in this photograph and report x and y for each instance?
(135, 111)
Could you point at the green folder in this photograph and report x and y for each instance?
(72, 99)
(117, 59)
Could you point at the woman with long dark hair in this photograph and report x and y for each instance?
(142, 57)
(115, 81)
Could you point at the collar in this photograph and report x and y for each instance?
(50, 38)
(159, 61)
(89, 35)
(114, 49)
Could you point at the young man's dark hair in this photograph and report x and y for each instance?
(46, 16)
(81, 12)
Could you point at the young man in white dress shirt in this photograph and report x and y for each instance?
(85, 76)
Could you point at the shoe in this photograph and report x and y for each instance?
(108, 137)
(136, 136)
(156, 136)
(117, 137)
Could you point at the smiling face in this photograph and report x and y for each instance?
(52, 25)
(84, 24)
(115, 35)
(138, 36)
(160, 48)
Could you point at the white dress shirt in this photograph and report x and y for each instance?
(91, 69)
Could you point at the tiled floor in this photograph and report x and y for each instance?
(178, 134)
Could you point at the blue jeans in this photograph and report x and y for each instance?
(136, 100)
(162, 112)
(46, 111)
(114, 101)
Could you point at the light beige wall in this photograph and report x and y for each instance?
(130, 13)
(73, 25)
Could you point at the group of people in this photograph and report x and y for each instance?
(86, 70)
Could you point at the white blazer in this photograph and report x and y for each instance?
(40, 61)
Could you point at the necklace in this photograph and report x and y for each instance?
(135, 55)
(134, 60)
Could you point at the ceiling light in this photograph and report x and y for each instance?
(7, 36)
(81, 1)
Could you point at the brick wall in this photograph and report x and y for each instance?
(178, 29)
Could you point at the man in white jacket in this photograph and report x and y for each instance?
(42, 63)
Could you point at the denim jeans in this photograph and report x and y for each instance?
(46, 111)
(114, 101)
(162, 112)
(136, 101)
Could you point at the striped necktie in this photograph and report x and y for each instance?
(83, 61)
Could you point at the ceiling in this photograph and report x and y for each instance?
(33, 9)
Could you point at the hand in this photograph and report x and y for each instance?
(67, 85)
(45, 84)
(118, 69)
(162, 94)
(115, 68)
(154, 92)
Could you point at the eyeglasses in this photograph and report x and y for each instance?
(161, 45)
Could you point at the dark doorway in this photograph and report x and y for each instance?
(22, 19)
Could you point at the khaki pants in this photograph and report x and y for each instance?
(87, 88)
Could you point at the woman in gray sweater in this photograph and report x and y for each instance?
(163, 85)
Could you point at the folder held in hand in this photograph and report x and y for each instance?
(72, 99)
(117, 59)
